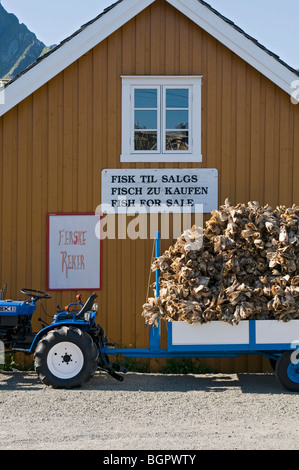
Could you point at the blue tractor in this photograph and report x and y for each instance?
(66, 352)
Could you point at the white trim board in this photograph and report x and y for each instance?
(71, 51)
(237, 42)
(274, 331)
(121, 13)
(211, 333)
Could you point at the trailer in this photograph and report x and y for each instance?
(276, 340)
(68, 351)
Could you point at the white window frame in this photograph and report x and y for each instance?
(132, 120)
(193, 154)
(163, 112)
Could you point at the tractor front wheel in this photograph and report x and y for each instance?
(65, 358)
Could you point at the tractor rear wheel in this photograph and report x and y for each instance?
(65, 358)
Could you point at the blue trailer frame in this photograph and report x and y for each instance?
(270, 350)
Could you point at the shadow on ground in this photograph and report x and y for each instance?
(262, 383)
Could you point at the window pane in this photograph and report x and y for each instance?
(177, 119)
(177, 141)
(145, 98)
(145, 140)
(177, 98)
(145, 120)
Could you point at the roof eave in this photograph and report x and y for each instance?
(70, 51)
(99, 29)
(237, 42)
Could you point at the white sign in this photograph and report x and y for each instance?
(73, 252)
(159, 190)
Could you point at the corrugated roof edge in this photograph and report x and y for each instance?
(58, 46)
(255, 41)
(106, 10)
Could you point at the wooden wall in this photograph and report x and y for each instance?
(55, 143)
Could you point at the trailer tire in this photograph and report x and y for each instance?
(66, 357)
(287, 371)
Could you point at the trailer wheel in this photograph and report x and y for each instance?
(287, 370)
(65, 358)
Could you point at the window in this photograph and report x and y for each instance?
(161, 119)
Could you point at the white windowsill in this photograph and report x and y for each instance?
(160, 158)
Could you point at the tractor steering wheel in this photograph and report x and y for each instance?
(36, 294)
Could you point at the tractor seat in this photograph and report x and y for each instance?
(86, 307)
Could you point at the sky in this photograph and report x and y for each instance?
(274, 23)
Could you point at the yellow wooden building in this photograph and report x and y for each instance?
(104, 99)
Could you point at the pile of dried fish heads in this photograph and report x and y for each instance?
(243, 265)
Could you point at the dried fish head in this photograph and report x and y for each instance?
(246, 267)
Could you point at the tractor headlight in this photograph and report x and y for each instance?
(87, 316)
(95, 307)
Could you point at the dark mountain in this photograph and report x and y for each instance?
(19, 47)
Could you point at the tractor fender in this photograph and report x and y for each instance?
(84, 326)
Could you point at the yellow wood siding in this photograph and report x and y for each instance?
(55, 143)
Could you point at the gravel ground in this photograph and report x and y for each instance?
(149, 412)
